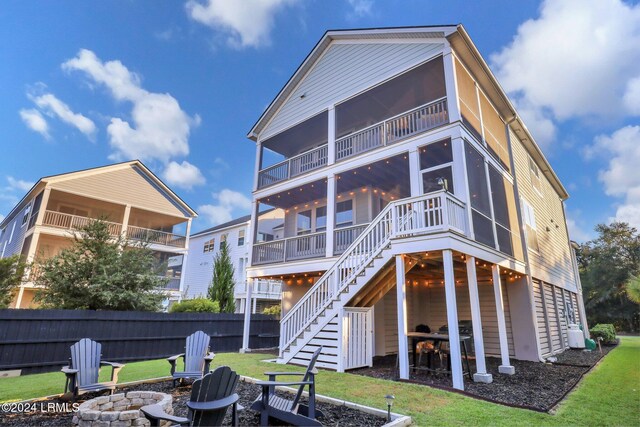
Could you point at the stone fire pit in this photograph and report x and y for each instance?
(120, 410)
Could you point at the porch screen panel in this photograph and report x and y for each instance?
(504, 209)
(467, 95)
(480, 198)
(495, 133)
(405, 92)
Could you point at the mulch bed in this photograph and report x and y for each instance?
(535, 385)
(334, 415)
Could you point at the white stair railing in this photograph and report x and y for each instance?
(423, 214)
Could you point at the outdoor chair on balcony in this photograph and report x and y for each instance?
(289, 411)
(84, 369)
(210, 399)
(197, 358)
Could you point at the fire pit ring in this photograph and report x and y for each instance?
(120, 410)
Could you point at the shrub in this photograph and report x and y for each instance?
(275, 310)
(196, 305)
(605, 331)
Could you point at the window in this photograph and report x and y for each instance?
(303, 222)
(209, 246)
(501, 210)
(477, 176)
(321, 218)
(264, 237)
(436, 154)
(25, 216)
(344, 213)
(534, 174)
(241, 238)
(530, 225)
(434, 161)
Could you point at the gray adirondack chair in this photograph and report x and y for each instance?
(84, 369)
(197, 358)
(210, 399)
(290, 411)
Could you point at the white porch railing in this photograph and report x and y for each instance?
(262, 288)
(433, 212)
(75, 222)
(155, 236)
(344, 237)
(297, 165)
(392, 130)
(291, 248)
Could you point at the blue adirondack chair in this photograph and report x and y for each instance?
(210, 399)
(84, 369)
(197, 358)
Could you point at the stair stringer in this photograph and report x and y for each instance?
(333, 309)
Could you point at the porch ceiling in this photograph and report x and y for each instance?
(390, 175)
(304, 194)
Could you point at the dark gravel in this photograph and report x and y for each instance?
(334, 415)
(535, 385)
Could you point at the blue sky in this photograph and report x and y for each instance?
(179, 83)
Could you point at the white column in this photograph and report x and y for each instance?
(253, 230)
(505, 367)
(19, 298)
(450, 84)
(125, 221)
(401, 294)
(331, 137)
(331, 213)
(43, 205)
(481, 374)
(452, 320)
(255, 305)
(247, 318)
(414, 172)
(258, 165)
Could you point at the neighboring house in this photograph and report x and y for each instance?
(205, 245)
(136, 204)
(411, 193)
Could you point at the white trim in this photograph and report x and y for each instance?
(401, 302)
(452, 320)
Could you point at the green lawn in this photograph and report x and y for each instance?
(609, 395)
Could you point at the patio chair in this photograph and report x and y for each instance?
(197, 358)
(211, 396)
(427, 347)
(84, 368)
(289, 411)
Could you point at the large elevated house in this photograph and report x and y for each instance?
(134, 202)
(411, 193)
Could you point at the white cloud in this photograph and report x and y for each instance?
(34, 121)
(183, 175)
(577, 59)
(228, 202)
(52, 106)
(621, 178)
(361, 7)
(246, 23)
(19, 184)
(576, 232)
(160, 128)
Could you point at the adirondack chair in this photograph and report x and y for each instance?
(211, 396)
(84, 369)
(290, 411)
(197, 358)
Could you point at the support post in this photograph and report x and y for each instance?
(331, 215)
(505, 367)
(247, 317)
(331, 137)
(258, 165)
(19, 297)
(414, 172)
(401, 300)
(125, 221)
(481, 374)
(451, 84)
(253, 230)
(452, 320)
(254, 305)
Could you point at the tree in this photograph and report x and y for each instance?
(11, 274)
(222, 283)
(100, 272)
(607, 264)
(633, 289)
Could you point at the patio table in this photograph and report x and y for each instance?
(437, 339)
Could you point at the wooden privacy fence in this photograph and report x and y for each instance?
(39, 340)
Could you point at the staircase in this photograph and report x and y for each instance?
(315, 316)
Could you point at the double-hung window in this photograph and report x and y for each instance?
(241, 238)
(529, 218)
(534, 174)
(209, 245)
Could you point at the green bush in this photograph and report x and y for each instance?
(196, 305)
(275, 310)
(605, 331)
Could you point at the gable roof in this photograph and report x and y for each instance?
(464, 47)
(219, 227)
(137, 164)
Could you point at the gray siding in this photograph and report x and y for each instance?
(14, 244)
(344, 70)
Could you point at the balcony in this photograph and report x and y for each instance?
(387, 132)
(290, 249)
(262, 289)
(74, 222)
